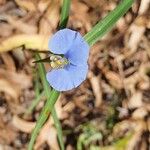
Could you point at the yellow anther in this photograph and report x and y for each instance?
(59, 62)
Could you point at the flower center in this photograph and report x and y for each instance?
(58, 62)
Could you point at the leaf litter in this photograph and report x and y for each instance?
(114, 98)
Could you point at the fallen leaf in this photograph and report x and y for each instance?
(8, 62)
(7, 87)
(42, 5)
(140, 113)
(136, 36)
(7, 134)
(144, 6)
(20, 80)
(22, 125)
(136, 100)
(26, 4)
(20, 25)
(114, 79)
(36, 41)
(50, 19)
(95, 83)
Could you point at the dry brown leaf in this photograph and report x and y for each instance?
(135, 37)
(144, 6)
(131, 81)
(80, 102)
(114, 79)
(130, 126)
(42, 5)
(140, 113)
(95, 83)
(22, 125)
(5, 147)
(20, 80)
(26, 4)
(69, 107)
(81, 20)
(7, 134)
(8, 88)
(7, 30)
(35, 41)
(139, 128)
(135, 101)
(20, 25)
(12, 83)
(50, 19)
(143, 70)
(8, 61)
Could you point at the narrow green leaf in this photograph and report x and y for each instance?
(59, 129)
(42, 73)
(64, 14)
(52, 97)
(43, 116)
(37, 85)
(54, 93)
(102, 27)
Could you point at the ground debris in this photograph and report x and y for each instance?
(114, 100)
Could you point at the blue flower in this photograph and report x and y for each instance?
(76, 50)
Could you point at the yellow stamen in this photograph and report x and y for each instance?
(59, 62)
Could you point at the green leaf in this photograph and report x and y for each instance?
(52, 97)
(64, 14)
(42, 73)
(43, 116)
(102, 27)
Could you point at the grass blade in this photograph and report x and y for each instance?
(102, 27)
(52, 96)
(43, 117)
(64, 14)
(42, 73)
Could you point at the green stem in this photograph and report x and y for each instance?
(64, 14)
(43, 116)
(102, 27)
(40, 122)
(59, 129)
(52, 97)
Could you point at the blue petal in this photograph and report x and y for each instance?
(79, 51)
(68, 78)
(61, 41)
